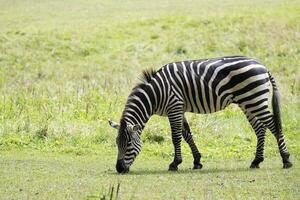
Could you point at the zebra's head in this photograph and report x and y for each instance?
(128, 142)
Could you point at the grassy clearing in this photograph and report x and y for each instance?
(66, 67)
(34, 175)
(64, 73)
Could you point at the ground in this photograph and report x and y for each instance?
(35, 175)
(66, 67)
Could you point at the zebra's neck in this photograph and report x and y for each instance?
(139, 107)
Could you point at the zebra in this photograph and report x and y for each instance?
(200, 86)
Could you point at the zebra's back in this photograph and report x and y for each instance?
(209, 85)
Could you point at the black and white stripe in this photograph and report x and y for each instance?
(202, 86)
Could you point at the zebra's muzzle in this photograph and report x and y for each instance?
(121, 167)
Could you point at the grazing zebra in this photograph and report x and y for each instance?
(200, 86)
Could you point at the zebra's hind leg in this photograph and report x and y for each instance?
(268, 119)
(175, 119)
(188, 137)
(260, 131)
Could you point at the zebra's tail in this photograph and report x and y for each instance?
(275, 105)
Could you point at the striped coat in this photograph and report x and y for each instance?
(200, 86)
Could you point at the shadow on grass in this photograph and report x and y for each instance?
(208, 170)
(186, 171)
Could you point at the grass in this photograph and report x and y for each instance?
(66, 67)
(58, 176)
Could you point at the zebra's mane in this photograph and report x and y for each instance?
(145, 78)
(147, 74)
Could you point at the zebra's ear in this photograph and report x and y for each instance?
(135, 128)
(114, 124)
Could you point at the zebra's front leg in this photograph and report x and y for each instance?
(175, 119)
(188, 137)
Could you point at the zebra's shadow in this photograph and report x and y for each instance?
(189, 171)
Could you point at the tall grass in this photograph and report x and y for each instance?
(68, 66)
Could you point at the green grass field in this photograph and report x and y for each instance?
(61, 176)
(66, 67)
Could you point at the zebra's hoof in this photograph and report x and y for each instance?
(197, 166)
(287, 165)
(254, 166)
(173, 168)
